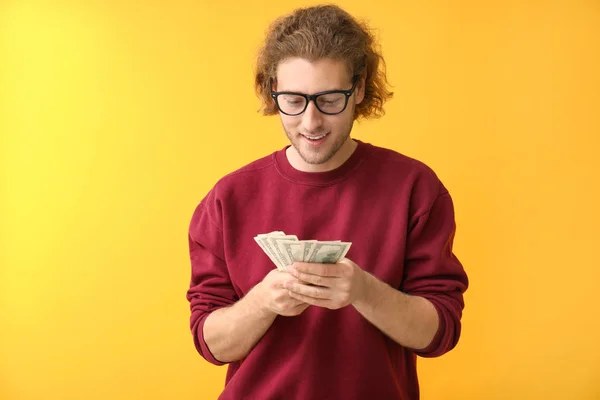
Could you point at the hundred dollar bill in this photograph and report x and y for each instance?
(280, 253)
(308, 245)
(266, 246)
(291, 250)
(328, 252)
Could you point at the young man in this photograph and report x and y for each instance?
(345, 330)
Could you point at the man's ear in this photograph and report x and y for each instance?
(360, 89)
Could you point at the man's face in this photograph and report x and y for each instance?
(316, 137)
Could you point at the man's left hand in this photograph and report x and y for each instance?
(327, 285)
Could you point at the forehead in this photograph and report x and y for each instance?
(304, 76)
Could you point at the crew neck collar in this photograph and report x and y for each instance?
(319, 178)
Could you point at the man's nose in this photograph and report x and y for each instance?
(312, 119)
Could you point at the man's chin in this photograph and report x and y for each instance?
(314, 158)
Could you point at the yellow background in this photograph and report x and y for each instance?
(116, 117)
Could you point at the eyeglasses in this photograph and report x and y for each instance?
(331, 102)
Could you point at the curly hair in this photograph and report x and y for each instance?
(318, 32)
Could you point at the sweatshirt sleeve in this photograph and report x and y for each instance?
(433, 271)
(210, 286)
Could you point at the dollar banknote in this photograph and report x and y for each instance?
(267, 248)
(284, 250)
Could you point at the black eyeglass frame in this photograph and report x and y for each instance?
(313, 97)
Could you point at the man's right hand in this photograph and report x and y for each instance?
(273, 297)
(231, 332)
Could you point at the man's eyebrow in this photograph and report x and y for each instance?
(320, 91)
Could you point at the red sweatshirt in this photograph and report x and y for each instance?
(400, 220)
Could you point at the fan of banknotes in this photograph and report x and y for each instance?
(284, 250)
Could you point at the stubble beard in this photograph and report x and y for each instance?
(320, 156)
